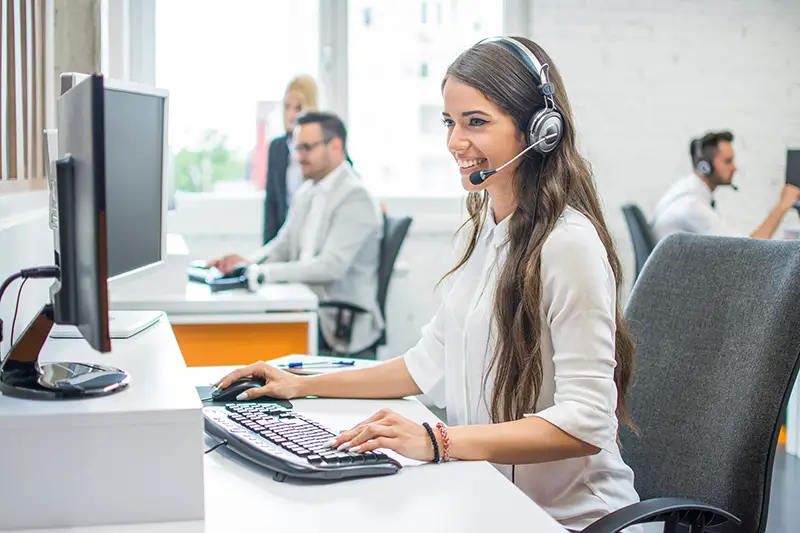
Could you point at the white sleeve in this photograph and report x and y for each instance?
(426, 361)
(579, 302)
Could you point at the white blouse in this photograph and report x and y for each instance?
(578, 394)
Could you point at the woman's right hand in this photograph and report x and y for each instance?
(279, 383)
(227, 263)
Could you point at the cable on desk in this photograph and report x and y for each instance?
(16, 308)
(218, 445)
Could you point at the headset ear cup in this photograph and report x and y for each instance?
(704, 167)
(544, 124)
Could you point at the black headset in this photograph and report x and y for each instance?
(702, 163)
(546, 127)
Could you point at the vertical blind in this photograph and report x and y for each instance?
(22, 95)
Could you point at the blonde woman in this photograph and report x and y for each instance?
(283, 172)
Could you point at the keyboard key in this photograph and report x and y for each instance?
(369, 458)
(314, 459)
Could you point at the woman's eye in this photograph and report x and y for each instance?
(447, 122)
(475, 122)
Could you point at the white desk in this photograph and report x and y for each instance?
(235, 326)
(458, 496)
(94, 461)
(240, 496)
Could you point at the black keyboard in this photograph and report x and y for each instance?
(289, 443)
(235, 279)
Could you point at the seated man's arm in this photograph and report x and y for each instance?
(767, 229)
(355, 222)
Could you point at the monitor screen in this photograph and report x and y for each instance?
(134, 132)
(793, 167)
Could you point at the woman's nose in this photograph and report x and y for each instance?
(457, 142)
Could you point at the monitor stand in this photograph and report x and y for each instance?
(22, 376)
(121, 325)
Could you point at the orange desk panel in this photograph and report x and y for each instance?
(239, 344)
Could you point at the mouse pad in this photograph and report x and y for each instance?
(205, 395)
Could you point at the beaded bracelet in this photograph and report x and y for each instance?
(436, 458)
(445, 441)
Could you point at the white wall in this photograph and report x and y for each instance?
(25, 241)
(644, 77)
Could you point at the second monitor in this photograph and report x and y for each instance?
(136, 148)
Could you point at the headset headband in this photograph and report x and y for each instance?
(529, 59)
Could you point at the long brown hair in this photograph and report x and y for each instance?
(566, 180)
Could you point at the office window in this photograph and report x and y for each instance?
(226, 70)
(394, 77)
(23, 95)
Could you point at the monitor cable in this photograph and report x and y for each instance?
(42, 272)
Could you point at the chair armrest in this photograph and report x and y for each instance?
(342, 306)
(673, 511)
(345, 316)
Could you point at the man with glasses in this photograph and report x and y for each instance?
(331, 237)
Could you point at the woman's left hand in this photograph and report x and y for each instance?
(387, 429)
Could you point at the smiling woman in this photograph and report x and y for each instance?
(528, 349)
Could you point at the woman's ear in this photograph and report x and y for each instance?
(522, 139)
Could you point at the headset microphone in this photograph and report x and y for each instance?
(479, 176)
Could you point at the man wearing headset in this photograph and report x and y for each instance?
(688, 206)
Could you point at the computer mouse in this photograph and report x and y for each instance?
(230, 393)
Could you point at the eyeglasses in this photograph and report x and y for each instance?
(307, 147)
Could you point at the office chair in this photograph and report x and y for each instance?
(641, 235)
(395, 229)
(716, 322)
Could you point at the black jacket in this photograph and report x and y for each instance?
(275, 206)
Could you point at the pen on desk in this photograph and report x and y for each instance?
(300, 364)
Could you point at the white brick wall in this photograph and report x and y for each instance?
(644, 77)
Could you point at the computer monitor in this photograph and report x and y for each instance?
(139, 188)
(136, 184)
(793, 167)
(80, 296)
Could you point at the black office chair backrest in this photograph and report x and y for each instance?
(641, 235)
(395, 229)
(716, 323)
